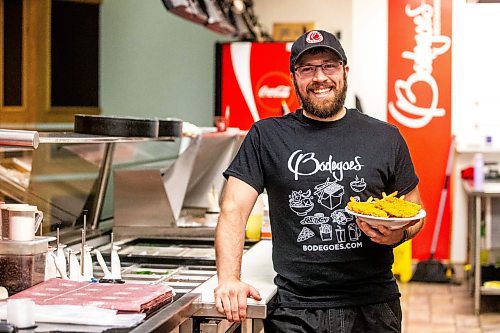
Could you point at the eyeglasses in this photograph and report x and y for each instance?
(328, 68)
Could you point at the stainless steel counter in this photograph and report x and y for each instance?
(490, 188)
(170, 317)
(197, 307)
(257, 270)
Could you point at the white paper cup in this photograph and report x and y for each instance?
(24, 221)
(4, 216)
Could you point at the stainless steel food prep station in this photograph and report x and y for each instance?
(157, 198)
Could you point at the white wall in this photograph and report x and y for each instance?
(477, 73)
(368, 77)
(327, 15)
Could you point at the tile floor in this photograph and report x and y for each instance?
(444, 308)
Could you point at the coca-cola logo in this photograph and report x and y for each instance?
(314, 37)
(280, 91)
(272, 90)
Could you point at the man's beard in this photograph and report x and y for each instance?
(324, 109)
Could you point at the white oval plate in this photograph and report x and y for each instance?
(392, 223)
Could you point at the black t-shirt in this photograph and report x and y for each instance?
(310, 169)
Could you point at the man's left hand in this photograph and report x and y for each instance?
(382, 234)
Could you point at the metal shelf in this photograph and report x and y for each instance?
(490, 291)
(475, 210)
(31, 139)
(71, 137)
(463, 148)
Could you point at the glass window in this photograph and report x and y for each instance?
(13, 52)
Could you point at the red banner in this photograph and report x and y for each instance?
(419, 103)
(254, 82)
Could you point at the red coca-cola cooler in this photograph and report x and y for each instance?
(253, 82)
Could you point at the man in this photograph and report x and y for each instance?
(330, 276)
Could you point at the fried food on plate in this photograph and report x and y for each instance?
(388, 206)
(366, 208)
(398, 207)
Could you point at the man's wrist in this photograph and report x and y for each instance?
(227, 278)
(404, 239)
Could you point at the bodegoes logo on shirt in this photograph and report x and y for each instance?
(272, 89)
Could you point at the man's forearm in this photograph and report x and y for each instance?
(414, 196)
(229, 240)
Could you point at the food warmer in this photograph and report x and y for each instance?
(156, 196)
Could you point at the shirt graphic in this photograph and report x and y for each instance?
(334, 230)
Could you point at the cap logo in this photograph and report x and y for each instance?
(314, 37)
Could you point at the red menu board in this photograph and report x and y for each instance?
(419, 102)
(253, 82)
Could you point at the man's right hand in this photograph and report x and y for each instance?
(231, 298)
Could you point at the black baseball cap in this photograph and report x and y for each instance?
(312, 39)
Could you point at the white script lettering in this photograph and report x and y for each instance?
(423, 55)
(299, 161)
(281, 91)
